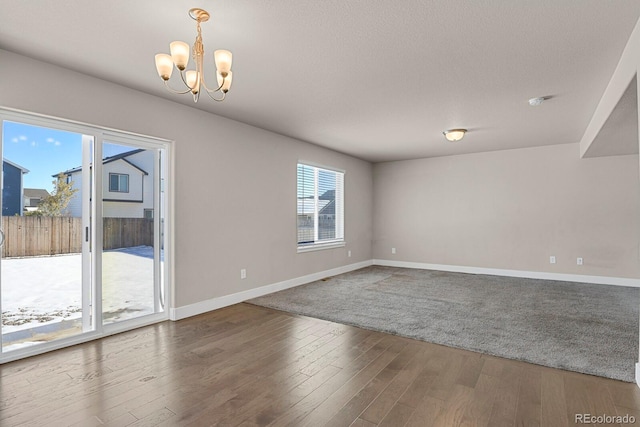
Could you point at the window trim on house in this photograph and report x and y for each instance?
(317, 243)
(120, 175)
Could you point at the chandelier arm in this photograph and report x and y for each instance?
(170, 89)
(204, 83)
(214, 98)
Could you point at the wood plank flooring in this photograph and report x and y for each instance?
(251, 366)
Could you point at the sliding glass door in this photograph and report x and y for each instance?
(131, 244)
(45, 262)
(82, 231)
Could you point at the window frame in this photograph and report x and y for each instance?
(119, 175)
(339, 240)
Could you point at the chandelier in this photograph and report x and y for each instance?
(194, 79)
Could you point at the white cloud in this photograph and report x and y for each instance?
(22, 138)
(57, 143)
(14, 139)
(50, 140)
(34, 144)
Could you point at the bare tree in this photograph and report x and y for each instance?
(56, 204)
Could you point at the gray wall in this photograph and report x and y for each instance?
(235, 195)
(235, 184)
(511, 210)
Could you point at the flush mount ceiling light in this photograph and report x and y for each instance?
(454, 134)
(194, 79)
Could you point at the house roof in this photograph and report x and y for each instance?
(15, 165)
(328, 195)
(329, 209)
(110, 159)
(121, 156)
(40, 193)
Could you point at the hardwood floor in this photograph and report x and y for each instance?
(251, 366)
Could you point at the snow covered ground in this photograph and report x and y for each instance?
(37, 291)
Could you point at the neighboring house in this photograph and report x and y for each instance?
(127, 186)
(33, 197)
(12, 184)
(326, 216)
(328, 211)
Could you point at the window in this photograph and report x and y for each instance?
(320, 208)
(118, 182)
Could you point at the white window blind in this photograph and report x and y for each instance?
(320, 206)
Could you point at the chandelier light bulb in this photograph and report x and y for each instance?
(223, 60)
(192, 80)
(180, 54)
(164, 65)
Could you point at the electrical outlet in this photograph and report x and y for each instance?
(243, 273)
(349, 254)
(552, 259)
(579, 261)
(393, 250)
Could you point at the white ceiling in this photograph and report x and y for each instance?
(376, 79)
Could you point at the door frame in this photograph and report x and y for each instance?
(97, 329)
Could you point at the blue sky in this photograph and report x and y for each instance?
(45, 151)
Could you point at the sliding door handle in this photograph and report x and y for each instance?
(1, 237)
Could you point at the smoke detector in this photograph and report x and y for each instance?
(534, 102)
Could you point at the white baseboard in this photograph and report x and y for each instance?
(599, 280)
(638, 374)
(227, 300)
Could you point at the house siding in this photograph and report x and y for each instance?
(121, 204)
(11, 190)
(75, 204)
(122, 210)
(136, 182)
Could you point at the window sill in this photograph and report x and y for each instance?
(321, 246)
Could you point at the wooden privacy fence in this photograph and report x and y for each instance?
(127, 232)
(42, 235)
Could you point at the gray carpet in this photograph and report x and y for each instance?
(580, 327)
